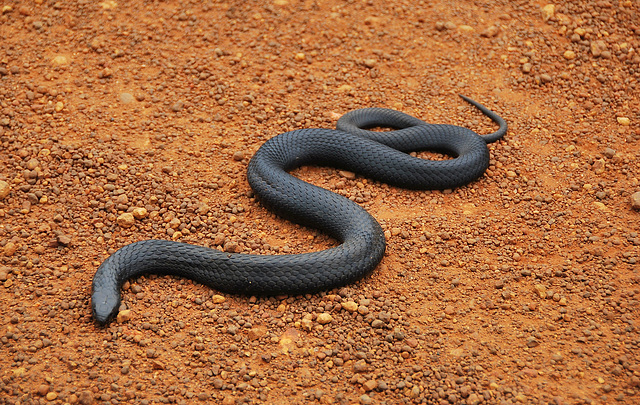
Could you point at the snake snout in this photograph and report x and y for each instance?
(104, 306)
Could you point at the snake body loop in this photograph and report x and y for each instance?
(378, 155)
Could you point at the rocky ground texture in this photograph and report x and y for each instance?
(127, 120)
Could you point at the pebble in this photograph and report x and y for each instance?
(370, 63)
(347, 175)
(473, 399)
(126, 98)
(599, 166)
(610, 153)
(10, 249)
(60, 60)
(177, 106)
(238, 156)
(125, 220)
(5, 188)
(124, 316)
(624, 121)
(86, 398)
(377, 324)
(43, 389)
(218, 299)
(324, 318)
(350, 306)
(139, 212)
(365, 399)
(599, 49)
(370, 385)
(306, 322)
(548, 11)
(490, 32)
(360, 366)
(635, 200)
(569, 55)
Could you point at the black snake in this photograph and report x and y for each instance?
(378, 155)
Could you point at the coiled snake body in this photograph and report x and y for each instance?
(378, 155)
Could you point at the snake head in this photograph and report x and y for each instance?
(105, 304)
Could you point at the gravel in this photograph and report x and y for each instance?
(519, 288)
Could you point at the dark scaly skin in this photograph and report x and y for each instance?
(377, 155)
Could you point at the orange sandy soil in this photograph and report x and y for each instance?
(522, 287)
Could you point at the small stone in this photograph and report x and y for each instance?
(63, 239)
(450, 25)
(306, 322)
(365, 399)
(59, 106)
(177, 106)
(473, 399)
(4, 189)
(490, 32)
(125, 220)
(598, 48)
(60, 60)
(86, 398)
(569, 55)
(624, 121)
(347, 175)
(526, 67)
(466, 28)
(609, 153)
(542, 290)
(124, 316)
(548, 11)
(126, 98)
(238, 156)
(370, 63)
(599, 166)
(350, 306)
(4, 273)
(139, 212)
(377, 324)
(300, 56)
(546, 78)
(231, 247)
(324, 318)
(105, 73)
(51, 396)
(360, 366)
(635, 200)
(10, 249)
(43, 389)
(218, 299)
(532, 342)
(370, 385)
